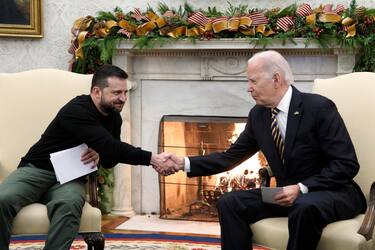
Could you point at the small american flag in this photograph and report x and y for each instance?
(198, 18)
(125, 32)
(327, 8)
(138, 15)
(285, 23)
(304, 10)
(340, 8)
(258, 18)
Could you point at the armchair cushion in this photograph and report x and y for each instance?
(33, 219)
(273, 233)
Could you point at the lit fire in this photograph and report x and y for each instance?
(244, 176)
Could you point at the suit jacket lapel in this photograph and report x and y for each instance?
(294, 118)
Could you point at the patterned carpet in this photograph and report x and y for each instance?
(130, 241)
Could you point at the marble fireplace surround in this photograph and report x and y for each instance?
(204, 78)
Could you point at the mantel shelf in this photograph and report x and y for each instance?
(227, 44)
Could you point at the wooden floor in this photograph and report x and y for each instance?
(110, 222)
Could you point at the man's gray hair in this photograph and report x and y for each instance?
(274, 62)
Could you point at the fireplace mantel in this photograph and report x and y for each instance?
(201, 78)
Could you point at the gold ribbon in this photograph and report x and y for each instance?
(206, 28)
(193, 32)
(349, 23)
(329, 18)
(351, 31)
(233, 23)
(220, 25)
(245, 22)
(81, 39)
(152, 16)
(260, 29)
(177, 32)
(145, 28)
(83, 23)
(263, 30)
(110, 24)
(160, 21)
(311, 19)
(269, 32)
(127, 26)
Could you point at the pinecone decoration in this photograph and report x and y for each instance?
(275, 10)
(368, 21)
(361, 28)
(120, 15)
(360, 11)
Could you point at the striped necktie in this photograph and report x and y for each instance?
(276, 133)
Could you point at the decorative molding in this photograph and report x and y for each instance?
(225, 59)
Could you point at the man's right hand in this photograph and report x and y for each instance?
(167, 163)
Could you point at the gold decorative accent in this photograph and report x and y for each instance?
(220, 25)
(233, 23)
(179, 31)
(329, 18)
(192, 32)
(351, 31)
(127, 26)
(81, 40)
(311, 19)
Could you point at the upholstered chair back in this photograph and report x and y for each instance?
(354, 95)
(28, 102)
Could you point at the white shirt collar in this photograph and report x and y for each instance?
(285, 101)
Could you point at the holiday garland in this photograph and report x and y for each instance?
(95, 38)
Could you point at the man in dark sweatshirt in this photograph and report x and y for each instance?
(92, 119)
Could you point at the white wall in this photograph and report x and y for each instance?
(18, 54)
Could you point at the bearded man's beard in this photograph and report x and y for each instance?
(109, 108)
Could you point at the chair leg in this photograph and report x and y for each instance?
(94, 241)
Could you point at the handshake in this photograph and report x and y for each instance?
(167, 163)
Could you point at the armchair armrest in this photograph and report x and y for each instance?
(93, 189)
(265, 175)
(367, 226)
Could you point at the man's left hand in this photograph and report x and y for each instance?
(287, 195)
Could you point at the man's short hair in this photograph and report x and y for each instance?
(100, 78)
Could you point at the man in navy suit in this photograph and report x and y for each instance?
(315, 169)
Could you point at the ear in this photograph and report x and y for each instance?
(277, 80)
(96, 92)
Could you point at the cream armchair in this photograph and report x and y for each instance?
(28, 102)
(354, 95)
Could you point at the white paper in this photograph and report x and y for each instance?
(268, 193)
(68, 165)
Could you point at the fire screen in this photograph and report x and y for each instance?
(195, 198)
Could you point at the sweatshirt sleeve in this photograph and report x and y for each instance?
(84, 125)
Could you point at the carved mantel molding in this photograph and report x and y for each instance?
(225, 59)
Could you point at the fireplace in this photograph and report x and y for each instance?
(195, 198)
(205, 78)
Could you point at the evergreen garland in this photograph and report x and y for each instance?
(101, 39)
